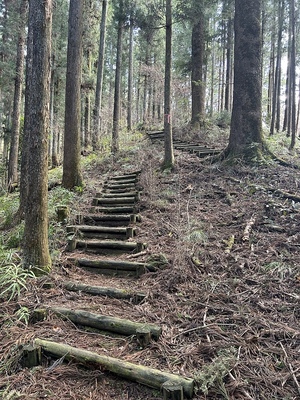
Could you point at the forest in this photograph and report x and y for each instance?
(149, 206)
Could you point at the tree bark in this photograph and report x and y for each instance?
(198, 86)
(117, 98)
(245, 139)
(99, 85)
(35, 247)
(72, 147)
(168, 143)
(15, 131)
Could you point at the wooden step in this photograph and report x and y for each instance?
(103, 232)
(108, 220)
(112, 267)
(115, 201)
(113, 210)
(105, 246)
(104, 291)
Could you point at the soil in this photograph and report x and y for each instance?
(227, 302)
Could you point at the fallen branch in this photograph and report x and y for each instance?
(147, 376)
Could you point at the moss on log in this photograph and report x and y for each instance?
(104, 291)
(147, 376)
(104, 322)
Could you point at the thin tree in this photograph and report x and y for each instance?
(15, 130)
(245, 139)
(168, 143)
(35, 246)
(72, 176)
(117, 98)
(99, 85)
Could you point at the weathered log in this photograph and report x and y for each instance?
(111, 267)
(121, 181)
(104, 291)
(121, 185)
(113, 210)
(120, 265)
(130, 175)
(105, 246)
(104, 322)
(147, 376)
(132, 193)
(112, 201)
(104, 232)
(108, 220)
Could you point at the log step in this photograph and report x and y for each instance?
(108, 220)
(113, 210)
(119, 186)
(101, 322)
(123, 181)
(134, 194)
(115, 201)
(104, 232)
(138, 373)
(104, 291)
(114, 267)
(105, 246)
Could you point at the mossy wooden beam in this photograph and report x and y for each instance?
(104, 291)
(102, 322)
(111, 267)
(138, 373)
(106, 246)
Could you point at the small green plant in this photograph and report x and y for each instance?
(13, 278)
(212, 375)
(23, 315)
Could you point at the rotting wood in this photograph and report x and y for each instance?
(104, 291)
(31, 356)
(138, 373)
(62, 213)
(172, 391)
(104, 322)
(143, 336)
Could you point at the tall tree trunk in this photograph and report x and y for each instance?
(71, 164)
(169, 152)
(292, 121)
(35, 247)
(15, 134)
(130, 77)
(117, 98)
(228, 63)
(99, 85)
(198, 86)
(245, 139)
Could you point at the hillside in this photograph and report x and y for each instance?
(227, 297)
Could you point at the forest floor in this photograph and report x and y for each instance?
(228, 301)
